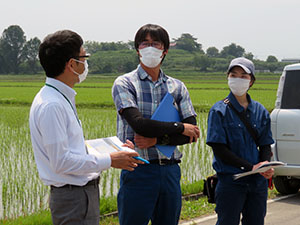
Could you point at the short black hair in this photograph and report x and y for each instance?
(57, 49)
(157, 33)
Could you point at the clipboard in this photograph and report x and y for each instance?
(166, 112)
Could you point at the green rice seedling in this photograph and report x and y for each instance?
(197, 157)
(22, 190)
(99, 123)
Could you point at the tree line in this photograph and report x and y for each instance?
(20, 56)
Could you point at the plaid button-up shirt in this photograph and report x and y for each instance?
(136, 89)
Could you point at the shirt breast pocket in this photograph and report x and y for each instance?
(258, 127)
(234, 131)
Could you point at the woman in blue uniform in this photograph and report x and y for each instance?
(236, 151)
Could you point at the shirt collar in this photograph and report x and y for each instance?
(62, 87)
(143, 74)
(237, 105)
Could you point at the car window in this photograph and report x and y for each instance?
(291, 90)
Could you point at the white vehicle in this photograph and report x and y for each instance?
(285, 125)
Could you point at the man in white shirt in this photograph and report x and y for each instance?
(57, 135)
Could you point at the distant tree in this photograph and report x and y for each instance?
(129, 65)
(272, 66)
(131, 44)
(203, 62)
(3, 67)
(272, 63)
(30, 54)
(92, 47)
(232, 50)
(113, 61)
(114, 46)
(220, 64)
(188, 42)
(212, 52)
(11, 44)
(248, 55)
(272, 59)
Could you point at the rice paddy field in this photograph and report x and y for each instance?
(22, 192)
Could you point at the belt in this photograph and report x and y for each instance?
(94, 182)
(163, 162)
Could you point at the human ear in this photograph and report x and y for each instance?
(251, 83)
(69, 65)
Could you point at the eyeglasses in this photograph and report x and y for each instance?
(84, 56)
(155, 44)
(76, 58)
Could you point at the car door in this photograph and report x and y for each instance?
(287, 130)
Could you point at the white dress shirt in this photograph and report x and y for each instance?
(57, 139)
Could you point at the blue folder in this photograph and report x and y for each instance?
(166, 112)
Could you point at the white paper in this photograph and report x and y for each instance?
(261, 169)
(105, 145)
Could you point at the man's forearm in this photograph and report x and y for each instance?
(177, 139)
(150, 128)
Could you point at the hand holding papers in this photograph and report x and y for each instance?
(261, 169)
(108, 145)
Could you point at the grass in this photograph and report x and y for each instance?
(38, 218)
(191, 188)
(196, 208)
(108, 205)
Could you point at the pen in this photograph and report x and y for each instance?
(141, 159)
(120, 149)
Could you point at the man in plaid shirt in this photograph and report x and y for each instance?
(151, 192)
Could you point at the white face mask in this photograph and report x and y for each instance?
(238, 86)
(150, 56)
(84, 73)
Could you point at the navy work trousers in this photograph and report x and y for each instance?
(246, 196)
(150, 192)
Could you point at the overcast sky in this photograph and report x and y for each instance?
(263, 27)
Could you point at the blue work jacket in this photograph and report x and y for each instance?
(225, 127)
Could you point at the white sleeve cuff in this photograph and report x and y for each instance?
(103, 161)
